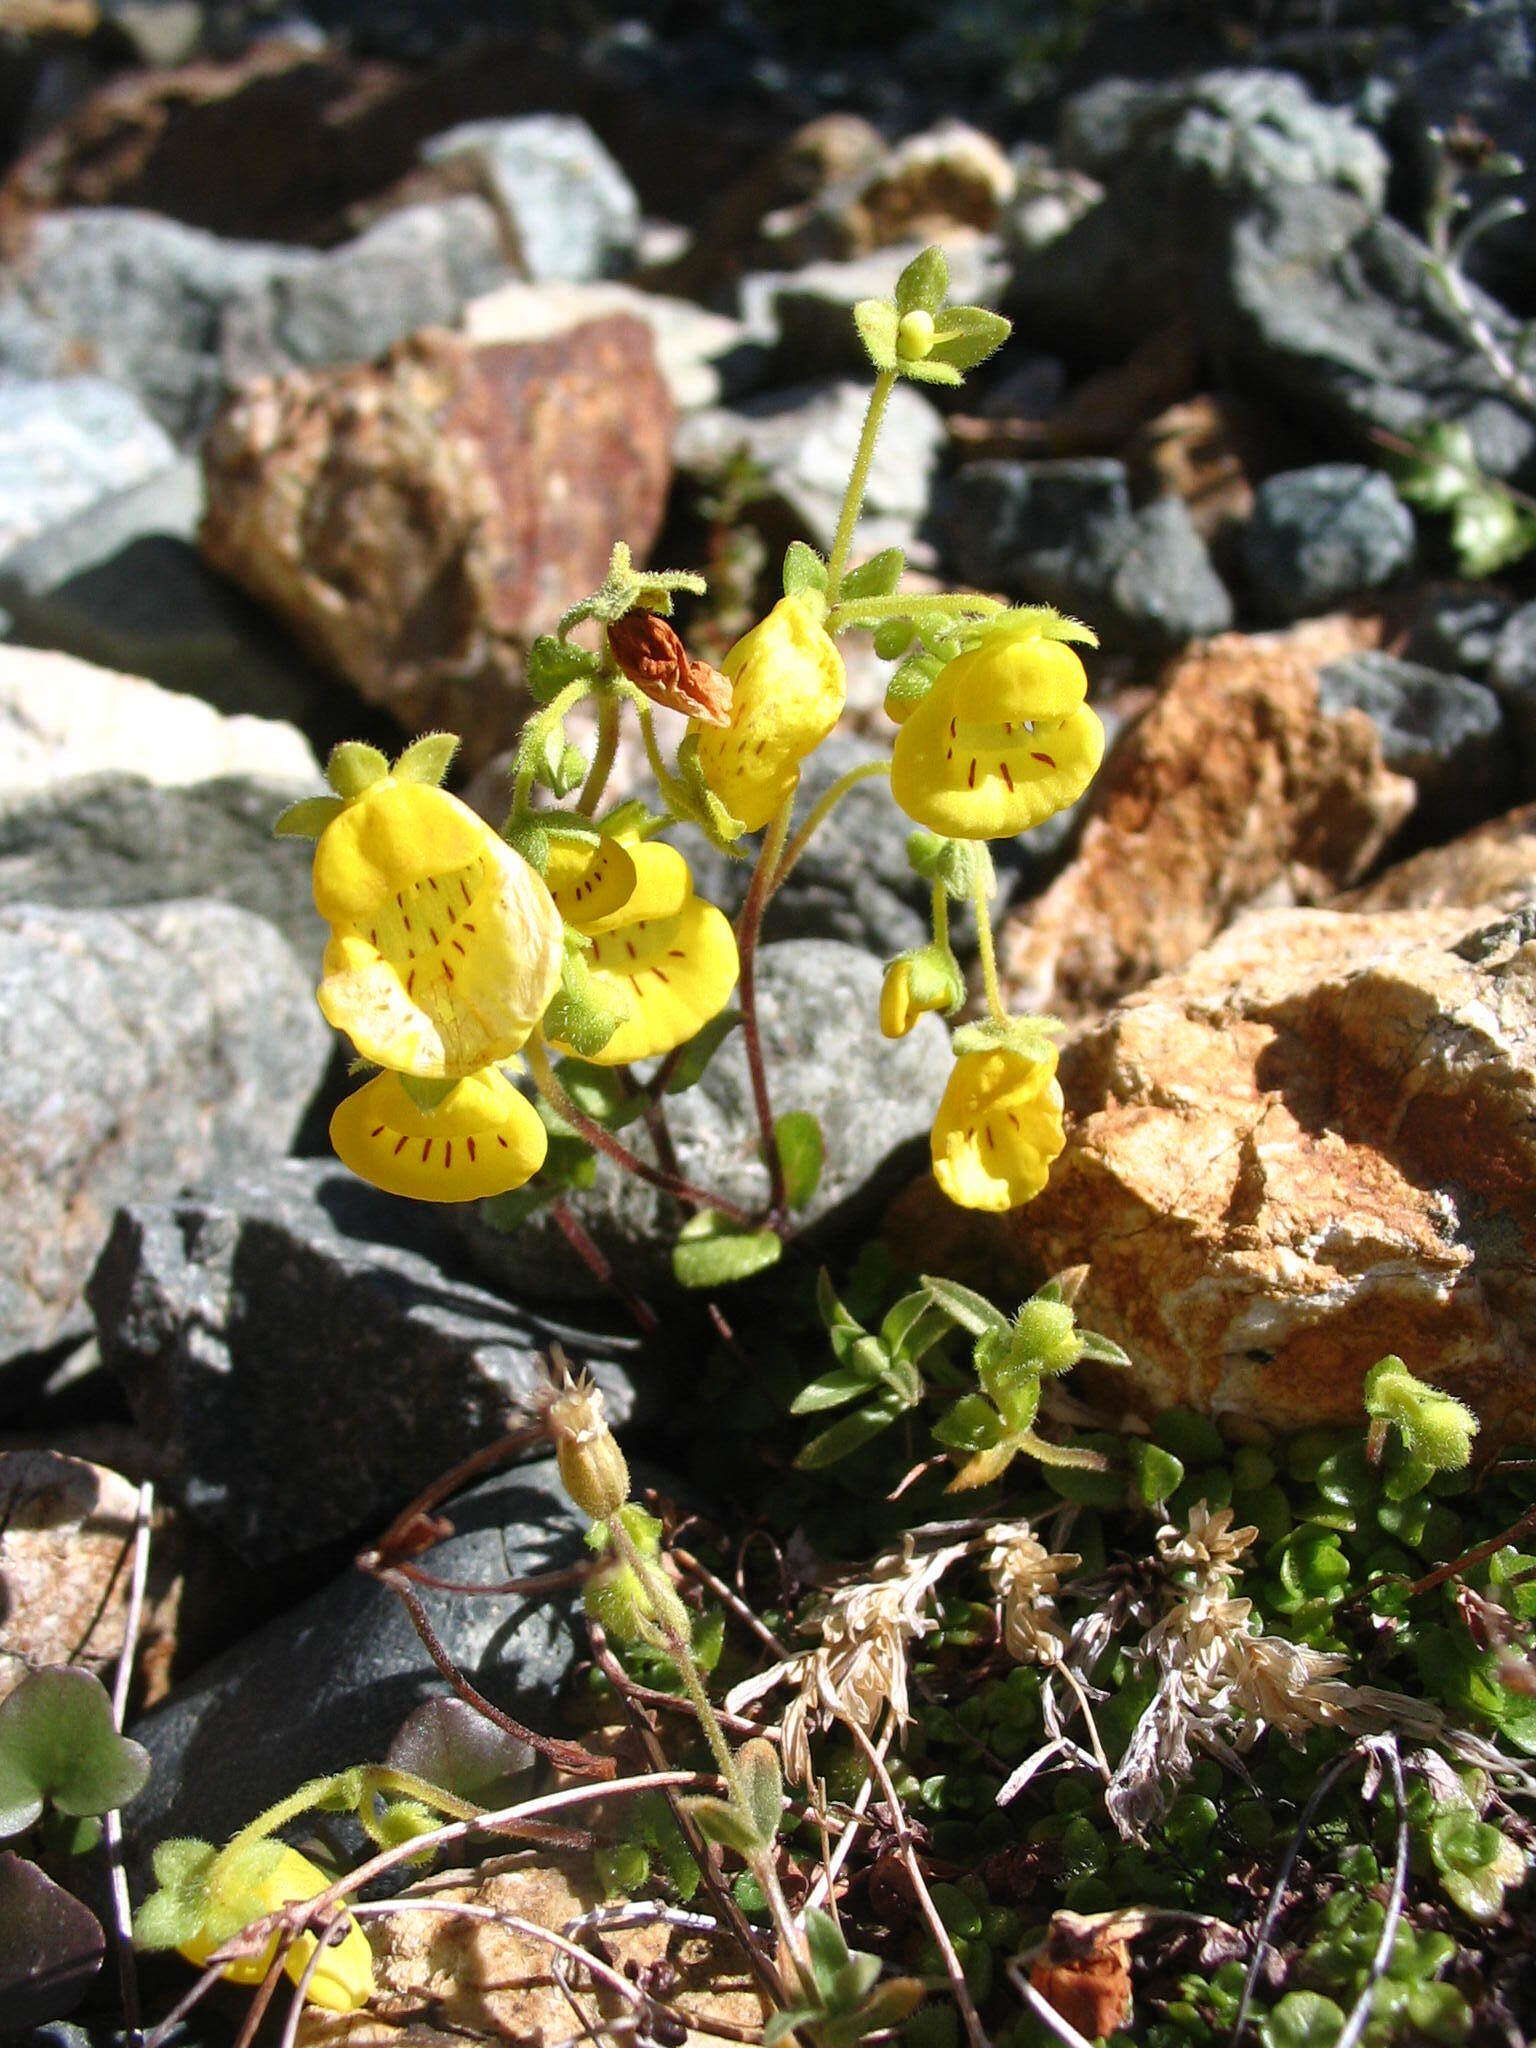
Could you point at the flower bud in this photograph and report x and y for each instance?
(592, 1467)
(916, 982)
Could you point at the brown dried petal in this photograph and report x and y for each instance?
(650, 653)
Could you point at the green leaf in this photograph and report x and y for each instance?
(855, 1980)
(833, 1390)
(427, 759)
(51, 1947)
(802, 1154)
(58, 1744)
(758, 1762)
(354, 767)
(922, 285)
(973, 1312)
(1102, 1349)
(878, 577)
(877, 321)
(804, 569)
(785, 2022)
(553, 662)
(600, 1093)
(967, 335)
(1489, 531)
(700, 1050)
(1158, 1472)
(167, 1919)
(308, 818)
(931, 370)
(718, 1821)
(454, 1746)
(711, 1251)
(829, 1951)
(850, 1434)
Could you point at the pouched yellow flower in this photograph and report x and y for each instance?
(589, 877)
(1002, 741)
(484, 1138)
(665, 961)
(998, 1128)
(343, 1978)
(788, 689)
(916, 983)
(445, 945)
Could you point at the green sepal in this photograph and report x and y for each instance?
(527, 833)
(965, 336)
(718, 1821)
(802, 1154)
(577, 1016)
(877, 321)
(60, 1746)
(1031, 1037)
(931, 369)
(428, 1094)
(552, 663)
(308, 818)
(952, 862)
(695, 801)
(878, 577)
(804, 570)
(910, 683)
(712, 1251)
(427, 759)
(922, 285)
(354, 767)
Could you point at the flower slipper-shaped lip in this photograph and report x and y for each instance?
(589, 876)
(445, 945)
(484, 1138)
(342, 1979)
(788, 689)
(999, 1126)
(1001, 742)
(667, 962)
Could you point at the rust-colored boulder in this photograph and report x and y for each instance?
(1314, 1146)
(1235, 789)
(417, 522)
(1493, 864)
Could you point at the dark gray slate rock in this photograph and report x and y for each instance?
(416, 268)
(123, 584)
(1328, 310)
(1322, 534)
(136, 297)
(112, 841)
(804, 441)
(138, 1049)
(1446, 732)
(296, 1345)
(817, 1005)
(569, 210)
(1512, 675)
(1064, 533)
(1458, 630)
(329, 1683)
(64, 443)
(1198, 154)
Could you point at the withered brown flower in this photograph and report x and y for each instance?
(650, 653)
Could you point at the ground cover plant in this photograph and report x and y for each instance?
(987, 1718)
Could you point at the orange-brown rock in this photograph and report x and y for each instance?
(1493, 864)
(1314, 1146)
(416, 522)
(1235, 789)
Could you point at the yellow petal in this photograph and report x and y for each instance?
(788, 690)
(1001, 742)
(663, 884)
(343, 1978)
(898, 1012)
(589, 879)
(998, 1128)
(445, 947)
(667, 975)
(483, 1139)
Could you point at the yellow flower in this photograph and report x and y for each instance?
(664, 961)
(343, 1978)
(915, 983)
(483, 1138)
(589, 877)
(998, 1128)
(788, 688)
(445, 945)
(1002, 740)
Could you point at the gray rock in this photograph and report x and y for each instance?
(1202, 153)
(1446, 732)
(1458, 630)
(1512, 675)
(138, 1048)
(329, 1683)
(123, 584)
(875, 1098)
(1319, 535)
(297, 1345)
(804, 440)
(416, 268)
(137, 298)
(568, 208)
(114, 841)
(1329, 311)
(1064, 533)
(64, 443)
(804, 317)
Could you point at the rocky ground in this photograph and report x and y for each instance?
(336, 347)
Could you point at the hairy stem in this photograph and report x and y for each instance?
(534, 731)
(603, 755)
(748, 929)
(987, 944)
(818, 815)
(940, 604)
(858, 482)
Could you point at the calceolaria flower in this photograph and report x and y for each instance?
(445, 945)
(999, 1126)
(926, 979)
(664, 961)
(788, 687)
(481, 1137)
(1003, 739)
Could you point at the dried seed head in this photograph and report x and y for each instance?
(592, 1467)
(650, 653)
